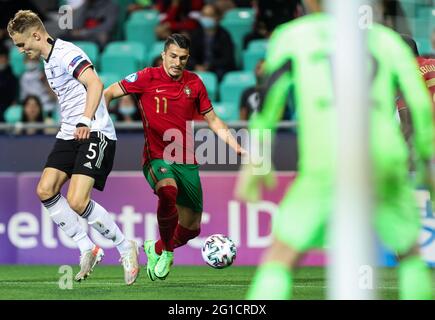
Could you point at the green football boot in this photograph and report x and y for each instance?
(153, 257)
(163, 266)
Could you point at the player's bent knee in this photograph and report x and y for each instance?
(45, 191)
(193, 225)
(77, 204)
(165, 183)
(168, 194)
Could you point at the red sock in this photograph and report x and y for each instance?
(181, 236)
(167, 215)
(158, 247)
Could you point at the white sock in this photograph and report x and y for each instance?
(66, 219)
(124, 247)
(101, 221)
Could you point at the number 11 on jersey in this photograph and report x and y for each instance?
(165, 104)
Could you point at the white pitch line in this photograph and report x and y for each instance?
(89, 285)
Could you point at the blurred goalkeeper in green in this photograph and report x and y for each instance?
(299, 54)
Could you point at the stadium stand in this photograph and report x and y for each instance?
(91, 49)
(238, 22)
(123, 57)
(13, 114)
(210, 82)
(140, 27)
(233, 84)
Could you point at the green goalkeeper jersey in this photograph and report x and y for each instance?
(299, 54)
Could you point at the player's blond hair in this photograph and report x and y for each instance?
(23, 21)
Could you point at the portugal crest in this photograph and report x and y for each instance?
(187, 91)
(163, 170)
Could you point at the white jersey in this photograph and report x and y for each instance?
(63, 66)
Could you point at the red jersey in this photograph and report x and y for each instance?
(167, 108)
(427, 70)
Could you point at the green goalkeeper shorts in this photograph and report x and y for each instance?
(306, 209)
(186, 177)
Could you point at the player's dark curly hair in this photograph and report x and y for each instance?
(179, 40)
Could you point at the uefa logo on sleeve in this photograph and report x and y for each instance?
(132, 77)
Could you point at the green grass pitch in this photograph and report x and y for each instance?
(184, 283)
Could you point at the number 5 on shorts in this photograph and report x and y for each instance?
(93, 153)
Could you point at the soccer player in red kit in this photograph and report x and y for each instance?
(169, 99)
(427, 70)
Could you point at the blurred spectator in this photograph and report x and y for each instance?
(34, 83)
(271, 13)
(32, 113)
(212, 48)
(75, 4)
(243, 3)
(140, 5)
(95, 21)
(223, 5)
(250, 100)
(391, 14)
(8, 82)
(178, 17)
(127, 109)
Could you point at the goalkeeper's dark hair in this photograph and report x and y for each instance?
(411, 43)
(179, 40)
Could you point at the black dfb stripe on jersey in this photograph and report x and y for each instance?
(78, 70)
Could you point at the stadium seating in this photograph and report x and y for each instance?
(13, 113)
(109, 78)
(237, 14)
(140, 27)
(256, 50)
(155, 51)
(149, 15)
(409, 7)
(238, 22)
(422, 27)
(91, 49)
(233, 84)
(113, 116)
(227, 111)
(123, 57)
(122, 16)
(251, 57)
(17, 61)
(210, 82)
(423, 45)
(258, 45)
(426, 12)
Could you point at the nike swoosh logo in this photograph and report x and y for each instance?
(157, 90)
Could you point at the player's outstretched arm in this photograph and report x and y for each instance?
(279, 69)
(114, 91)
(221, 129)
(94, 90)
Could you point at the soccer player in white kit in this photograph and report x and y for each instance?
(84, 148)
